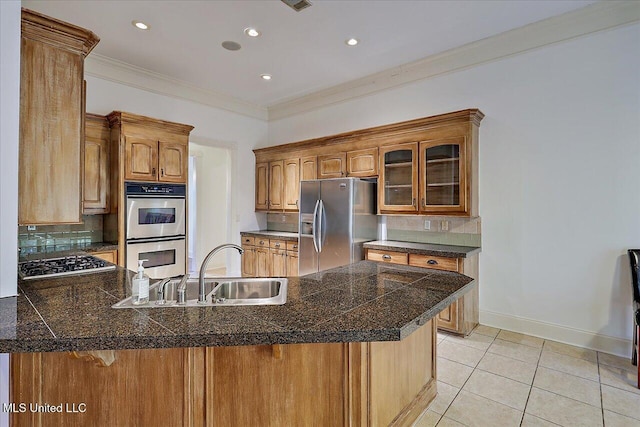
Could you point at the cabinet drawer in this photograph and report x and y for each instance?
(277, 244)
(248, 240)
(292, 246)
(261, 242)
(387, 256)
(435, 262)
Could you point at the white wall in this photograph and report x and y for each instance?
(9, 129)
(212, 168)
(213, 127)
(559, 198)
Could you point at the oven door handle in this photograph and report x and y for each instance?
(156, 239)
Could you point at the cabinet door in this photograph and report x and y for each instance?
(95, 186)
(276, 185)
(332, 166)
(141, 159)
(292, 264)
(443, 176)
(308, 168)
(51, 132)
(109, 256)
(448, 318)
(362, 163)
(262, 262)
(249, 261)
(262, 186)
(398, 183)
(278, 259)
(172, 162)
(291, 184)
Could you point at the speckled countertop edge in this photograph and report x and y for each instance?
(366, 301)
(447, 251)
(282, 235)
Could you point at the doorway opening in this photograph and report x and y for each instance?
(209, 206)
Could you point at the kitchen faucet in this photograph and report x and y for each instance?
(202, 298)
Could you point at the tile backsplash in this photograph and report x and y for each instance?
(47, 238)
(407, 228)
(442, 230)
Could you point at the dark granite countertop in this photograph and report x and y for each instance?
(282, 235)
(366, 301)
(447, 251)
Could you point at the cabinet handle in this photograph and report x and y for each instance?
(295, 246)
(277, 245)
(413, 201)
(386, 256)
(296, 203)
(432, 262)
(423, 204)
(161, 171)
(262, 242)
(153, 171)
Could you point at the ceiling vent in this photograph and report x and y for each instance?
(297, 5)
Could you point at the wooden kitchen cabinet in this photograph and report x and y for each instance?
(109, 256)
(262, 186)
(461, 316)
(278, 261)
(151, 160)
(398, 183)
(172, 161)
(332, 165)
(292, 259)
(276, 185)
(308, 168)
(51, 149)
(96, 182)
(248, 261)
(269, 257)
(363, 163)
(291, 184)
(263, 262)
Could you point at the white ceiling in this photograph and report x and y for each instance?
(304, 51)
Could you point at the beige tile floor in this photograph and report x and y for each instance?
(497, 378)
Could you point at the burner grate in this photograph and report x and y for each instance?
(55, 267)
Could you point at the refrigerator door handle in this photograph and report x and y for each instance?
(314, 226)
(321, 229)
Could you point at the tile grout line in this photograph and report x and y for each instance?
(38, 313)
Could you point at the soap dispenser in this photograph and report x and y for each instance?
(140, 286)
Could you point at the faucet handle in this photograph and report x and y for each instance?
(160, 292)
(182, 290)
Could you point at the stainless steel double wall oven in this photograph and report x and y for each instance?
(156, 228)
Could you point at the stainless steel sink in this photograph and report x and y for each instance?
(219, 291)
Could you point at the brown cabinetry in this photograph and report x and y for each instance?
(363, 163)
(269, 257)
(51, 119)
(332, 165)
(95, 185)
(262, 186)
(461, 316)
(109, 256)
(426, 166)
(148, 159)
(277, 185)
(291, 184)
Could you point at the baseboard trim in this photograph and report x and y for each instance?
(578, 337)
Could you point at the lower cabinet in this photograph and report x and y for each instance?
(109, 256)
(323, 384)
(461, 316)
(269, 257)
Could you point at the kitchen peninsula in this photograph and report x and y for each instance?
(353, 345)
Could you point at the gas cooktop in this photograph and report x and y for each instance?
(66, 266)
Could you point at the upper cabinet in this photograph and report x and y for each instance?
(291, 184)
(151, 150)
(95, 186)
(427, 166)
(51, 119)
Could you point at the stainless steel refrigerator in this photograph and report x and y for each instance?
(336, 217)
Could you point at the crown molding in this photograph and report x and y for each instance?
(120, 72)
(590, 19)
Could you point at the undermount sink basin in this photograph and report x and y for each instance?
(219, 292)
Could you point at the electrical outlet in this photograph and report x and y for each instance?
(444, 225)
(31, 228)
(284, 218)
(427, 224)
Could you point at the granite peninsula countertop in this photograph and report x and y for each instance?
(268, 234)
(447, 251)
(366, 301)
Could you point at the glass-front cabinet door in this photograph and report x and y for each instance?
(398, 184)
(443, 176)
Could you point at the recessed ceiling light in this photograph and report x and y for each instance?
(352, 42)
(265, 76)
(251, 32)
(140, 25)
